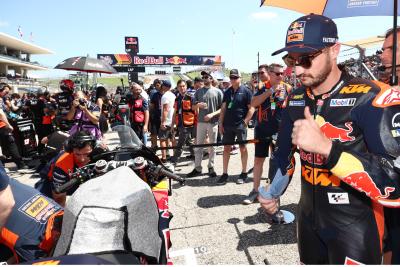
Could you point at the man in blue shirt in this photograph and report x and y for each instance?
(235, 115)
(268, 102)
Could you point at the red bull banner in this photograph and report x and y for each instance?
(126, 60)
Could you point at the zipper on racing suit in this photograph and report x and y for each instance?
(318, 102)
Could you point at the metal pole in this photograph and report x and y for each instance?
(393, 77)
(258, 65)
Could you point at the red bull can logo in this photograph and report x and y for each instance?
(335, 133)
(364, 183)
(175, 60)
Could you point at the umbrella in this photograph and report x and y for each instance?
(86, 64)
(345, 8)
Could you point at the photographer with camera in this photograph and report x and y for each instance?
(85, 115)
(64, 102)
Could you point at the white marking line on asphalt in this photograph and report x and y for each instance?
(188, 253)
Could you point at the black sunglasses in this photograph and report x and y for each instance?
(206, 77)
(304, 61)
(233, 77)
(277, 73)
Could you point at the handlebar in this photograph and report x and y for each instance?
(171, 175)
(84, 173)
(63, 188)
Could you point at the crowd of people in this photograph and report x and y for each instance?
(344, 128)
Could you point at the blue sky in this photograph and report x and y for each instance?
(235, 29)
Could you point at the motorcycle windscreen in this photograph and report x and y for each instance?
(108, 210)
(92, 220)
(127, 137)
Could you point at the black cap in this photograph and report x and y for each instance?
(198, 79)
(309, 34)
(234, 73)
(166, 83)
(205, 73)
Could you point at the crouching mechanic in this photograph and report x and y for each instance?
(7, 201)
(33, 226)
(77, 152)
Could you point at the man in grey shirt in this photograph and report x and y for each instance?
(207, 103)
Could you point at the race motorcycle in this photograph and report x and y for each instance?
(120, 211)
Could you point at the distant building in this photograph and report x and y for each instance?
(15, 60)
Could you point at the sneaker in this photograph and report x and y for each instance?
(278, 217)
(174, 160)
(223, 179)
(242, 178)
(193, 173)
(211, 172)
(251, 198)
(234, 150)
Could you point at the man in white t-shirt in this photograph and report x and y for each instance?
(167, 113)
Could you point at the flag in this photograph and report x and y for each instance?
(20, 31)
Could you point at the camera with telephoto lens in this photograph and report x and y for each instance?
(82, 102)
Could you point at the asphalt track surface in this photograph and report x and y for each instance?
(210, 224)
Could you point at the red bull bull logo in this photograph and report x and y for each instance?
(336, 133)
(364, 183)
(175, 60)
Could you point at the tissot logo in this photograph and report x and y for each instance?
(396, 121)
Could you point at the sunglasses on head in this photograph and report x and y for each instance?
(304, 61)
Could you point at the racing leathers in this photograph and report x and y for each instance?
(64, 102)
(340, 213)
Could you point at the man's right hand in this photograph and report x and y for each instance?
(208, 117)
(202, 105)
(269, 205)
(44, 140)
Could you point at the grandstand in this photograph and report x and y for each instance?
(15, 61)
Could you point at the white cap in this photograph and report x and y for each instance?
(226, 80)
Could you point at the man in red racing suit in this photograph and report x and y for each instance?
(347, 131)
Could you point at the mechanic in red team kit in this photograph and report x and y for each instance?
(32, 229)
